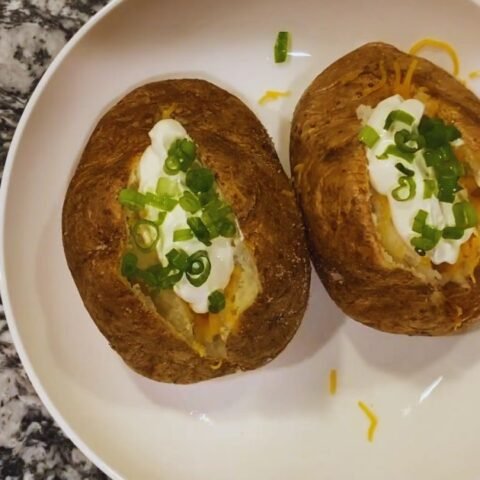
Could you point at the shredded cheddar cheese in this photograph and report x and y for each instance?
(333, 382)
(474, 74)
(217, 365)
(373, 420)
(272, 95)
(404, 87)
(167, 112)
(446, 47)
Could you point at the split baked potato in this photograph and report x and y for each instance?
(222, 178)
(377, 272)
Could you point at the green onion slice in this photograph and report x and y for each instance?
(145, 234)
(171, 165)
(178, 259)
(419, 221)
(429, 188)
(453, 233)
(453, 133)
(129, 265)
(422, 244)
(182, 235)
(161, 218)
(404, 140)
(398, 116)
(465, 215)
(406, 171)
(199, 230)
(394, 151)
(182, 154)
(198, 268)
(200, 179)
(131, 198)
(189, 202)
(368, 136)
(280, 49)
(406, 189)
(216, 301)
(431, 233)
(226, 228)
(167, 187)
(163, 202)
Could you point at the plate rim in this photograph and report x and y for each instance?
(62, 423)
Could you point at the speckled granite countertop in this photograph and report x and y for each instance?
(32, 32)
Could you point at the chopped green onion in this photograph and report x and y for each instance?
(198, 268)
(423, 244)
(281, 47)
(200, 180)
(226, 228)
(171, 165)
(453, 233)
(163, 202)
(453, 133)
(170, 277)
(145, 234)
(431, 233)
(406, 189)
(368, 136)
(406, 171)
(419, 221)
(404, 140)
(147, 277)
(429, 188)
(398, 116)
(167, 187)
(394, 151)
(189, 152)
(210, 224)
(178, 258)
(216, 301)
(199, 230)
(161, 218)
(183, 151)
(432, 157)
(446, 196)
(206, 197)
(182, 235)
(131, 198)
(447, 188)
(189, 202)
(465, 215)
(434, 131)
(129, 265)
(217, 209)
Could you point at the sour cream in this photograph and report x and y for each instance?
(222, 250)
(384, 177)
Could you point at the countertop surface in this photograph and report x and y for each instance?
(32, 32)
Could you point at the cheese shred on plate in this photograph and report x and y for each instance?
(373, 420)
(272, 95)
(439, 44)
(333, 382)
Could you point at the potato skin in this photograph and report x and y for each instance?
(333, 187)
(234, 144)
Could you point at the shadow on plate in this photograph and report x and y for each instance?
(404, 356)
(281, 386)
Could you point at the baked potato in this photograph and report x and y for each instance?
(385, 150)
(184, 246)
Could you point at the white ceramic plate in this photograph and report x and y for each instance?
(278, 422)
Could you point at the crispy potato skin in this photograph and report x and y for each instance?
(333, 187)
(234, 144)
